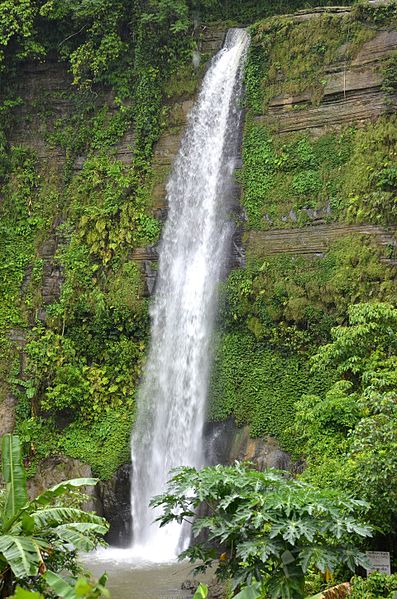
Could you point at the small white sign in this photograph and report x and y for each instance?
(380, 561)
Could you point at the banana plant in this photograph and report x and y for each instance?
(32, 531)
(201, 591)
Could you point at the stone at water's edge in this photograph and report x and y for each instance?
(110, 498)
(114, 497)
(225, 443)
(55, 469)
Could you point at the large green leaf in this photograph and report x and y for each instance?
(62, 489)
(250, 592)
(55, 516)
(80, 534)
(24, 594)
(23, 554)
(14, 477)
(201, 591)
(60, 587)
(83, 587)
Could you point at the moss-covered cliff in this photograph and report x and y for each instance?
(319, 194)
(88, 138)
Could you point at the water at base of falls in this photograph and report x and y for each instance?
(193, 251)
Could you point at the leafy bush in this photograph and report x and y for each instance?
(375, 586)
(43, 534)
(267, 528)
(350, 435)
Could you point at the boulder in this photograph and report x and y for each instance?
(114, 497)
(7, 415)
(58, 468)
(225, 443)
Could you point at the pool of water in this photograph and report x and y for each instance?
(134, 579)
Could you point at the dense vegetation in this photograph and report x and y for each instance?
(39, 539)
(282, 308)
(268, 530)
(292, 322)
(306, 344)
(95, 209)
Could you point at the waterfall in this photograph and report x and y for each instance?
(193, 252)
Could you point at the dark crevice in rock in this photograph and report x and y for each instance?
(114, 497)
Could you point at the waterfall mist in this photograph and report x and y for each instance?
(193, 253)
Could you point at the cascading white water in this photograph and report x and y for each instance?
(193, 250)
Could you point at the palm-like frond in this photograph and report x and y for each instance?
(54, 516)
(33, 529)
(62, 488)
(14, 477)
(23, 554)
(80, 534)
(60, 586)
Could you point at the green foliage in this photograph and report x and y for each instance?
(283, 178)
(352, 350)
(350, 435)
(83, 587)
(375, 586)
(24, 594)
(259, 386)
(382, 14)
(86, 348)
(249, 11)
(14, 478)
(348, 176)
(274, 315)
(201, 591)
(290, 57)
(269, 528)
(72, 375)
(105, 445)
(291, 180)
(370, 183)
(389, 84)
(17, 28)
(39, 533)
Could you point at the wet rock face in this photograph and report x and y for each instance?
(225, 443)
(7, 415)
(110, 499)
(55, 469)
(353, 92)
(114, 498)
(314, 240)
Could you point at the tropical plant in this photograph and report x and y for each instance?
(201, 591)
(24, 594)
(83, 589)
(377, 585)
(40, 534)
(350, 434)
(265, 528)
